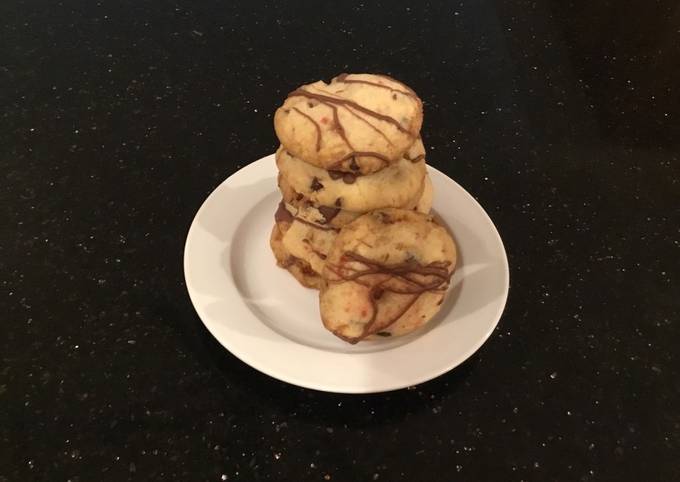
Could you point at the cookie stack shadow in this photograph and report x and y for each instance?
(347, 148)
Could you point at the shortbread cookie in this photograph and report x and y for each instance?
(394, 186)
(357, 123)
(331, 216)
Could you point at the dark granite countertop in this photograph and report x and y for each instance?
(118, 119)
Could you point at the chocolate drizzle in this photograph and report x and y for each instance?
(335, 101)
(413, 279)
(354, 109)
(370, 125)
(404, 86)
(337, 125)
(417, 158)
(438, 270)
(311, 248)
(316, 125)
(342, 78)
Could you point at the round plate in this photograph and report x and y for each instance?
(261, 314)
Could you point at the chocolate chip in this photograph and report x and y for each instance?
(384, 333)
(349, 178)
(394, 96)
(377, 294)
(335, 174)
(310, 105)
(353, 165)
(282, 215)
(385, 218)
(338, 202)
(316, 185)
(289, 261)
(299, 196)
(328, 213)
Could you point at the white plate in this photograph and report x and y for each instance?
(261, 314)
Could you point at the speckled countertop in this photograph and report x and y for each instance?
(117, 120)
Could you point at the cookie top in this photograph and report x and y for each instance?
(327, 216)
(357, 123)
(388, 268)
(393, 186)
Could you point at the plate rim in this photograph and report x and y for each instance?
(359, 389)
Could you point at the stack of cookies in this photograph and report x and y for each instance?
(348, 148)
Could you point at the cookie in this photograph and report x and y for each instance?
(302, 208)
(393, 186)
(424, 204)
(331, 216)
(386, 274)
(358, 123)
(300, 269)
(304, 240)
